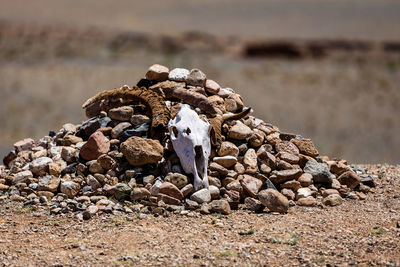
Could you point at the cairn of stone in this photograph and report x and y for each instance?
(121, 159)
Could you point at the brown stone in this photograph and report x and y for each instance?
(305, 179)
(196, 78)
(140, 193)
(288, 193)
(141, 151)
(96, 146)
(253, 204)
(221, 206)
(218, 168)
(332, 200)
(273, 200)
(212, 87)
(168, 199)
(285, 175)
(251, 185)
(307, 201)
(293, 184)
(106, 162)
(123, 113)
(306, 147)
(290, 158)
(25, 144)
(287, 146)
(250, 161)
(157, 73)
(171, 190)
(350, 179)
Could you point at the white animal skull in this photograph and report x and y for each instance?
(190, 138)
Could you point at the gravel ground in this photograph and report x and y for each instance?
(354, 233)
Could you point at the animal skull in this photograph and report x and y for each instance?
(190, 138)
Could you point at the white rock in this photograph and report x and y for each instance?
(39, 165)
(178, 74)
(201, 196)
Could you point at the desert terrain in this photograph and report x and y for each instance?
(56, 54)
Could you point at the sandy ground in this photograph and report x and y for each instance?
(361, 233)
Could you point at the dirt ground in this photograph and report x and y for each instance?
(362, 233)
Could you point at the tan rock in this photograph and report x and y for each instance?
(307, 201)
(222, 206)
(332, 200)
(157, 73)
(274, 200)
(240, 131)
(228, 149)
(250, 161)
(212, 87)
(251, 185)
(287, 146)
(305, 179)
(141, 151)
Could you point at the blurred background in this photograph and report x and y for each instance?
(327, 70)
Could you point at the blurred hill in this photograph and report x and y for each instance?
(56, 54)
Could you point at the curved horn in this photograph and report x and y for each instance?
(152, 98)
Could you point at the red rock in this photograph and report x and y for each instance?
(25, 144)
(96, 146)
(171, 190)
(350, 179)
(306, 147)
(168, 200)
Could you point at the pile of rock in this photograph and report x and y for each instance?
(122, 160)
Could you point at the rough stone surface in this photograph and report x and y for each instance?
(307, 201)
(179, 180)
(96, 146)
(221, 205)
(69, 188)
(140, 193)
(350, 179)
(157, 73)
(251, 185)
(228, 149)
(240, 131)
(274, 200)
(201, 196)
(123, 113)
(196, 78)
(306, 147)
(253, 204)
(22, 177)
(319, 171)
(332, 200)
(178, 74)
(285, 175)
(140, 151)
(170, 189)
(212, 87)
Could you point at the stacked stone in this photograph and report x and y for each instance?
(110, 164)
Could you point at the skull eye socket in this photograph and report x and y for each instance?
(188, 131)
(175, 131)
